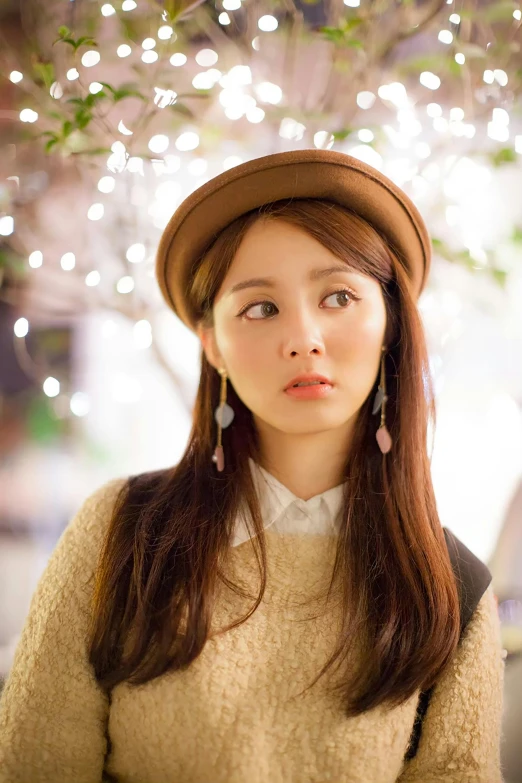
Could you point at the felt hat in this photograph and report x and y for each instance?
(307, 173)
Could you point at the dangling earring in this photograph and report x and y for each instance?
(224, 416)
(383, 436)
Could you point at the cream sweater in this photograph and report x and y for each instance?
(235, 715)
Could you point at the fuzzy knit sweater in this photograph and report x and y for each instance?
(236, 714)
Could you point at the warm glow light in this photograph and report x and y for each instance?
(429, 80)
(149, 56)
(16, 76)
(178, 59)
(36, 259)
(123, 129)
(148, 43)
(72, 74)
(224, 18)
(95, 211)
(28, 115)
(51, 387)
(165, 32)
(79, 404)
(365, 135)
(107, 9)
(135, 253)
(268, 92)
(21, 327)
(445, 36)
(93, 278)
(68, 261)
(124, 50)
(95, 87)
(90, 58)
(365, 99)
(454, 19)
(56, 91)
(128, 5)
(159, 143)
(125, 285)
(187, 141)
(6, 225)
(268, 23)
(206, 58)
(231, 5)
(460, 58)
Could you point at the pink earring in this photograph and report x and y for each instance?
(224, 416)
(383, 436)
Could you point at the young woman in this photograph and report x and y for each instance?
(277, 605)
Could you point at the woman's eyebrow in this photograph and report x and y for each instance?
(270, 282)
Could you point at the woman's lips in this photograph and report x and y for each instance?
(315, 391)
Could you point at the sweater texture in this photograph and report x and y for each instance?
(236, 715)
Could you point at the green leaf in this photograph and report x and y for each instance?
(500, 275)
(496, 12)
(341, 135)
(517, 235)
(63, 31)
(45, 72)
(85, 41)
(504, 155)
(67, 128)
(50, 144)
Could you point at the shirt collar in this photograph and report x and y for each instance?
(275, 500)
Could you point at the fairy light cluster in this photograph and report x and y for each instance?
(240, 96)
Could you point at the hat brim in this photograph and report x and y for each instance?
(308, 173)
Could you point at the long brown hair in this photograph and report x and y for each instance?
(170, 529)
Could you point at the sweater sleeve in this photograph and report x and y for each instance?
(53, 714)
(461, 732)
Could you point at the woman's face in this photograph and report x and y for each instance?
(265, 335)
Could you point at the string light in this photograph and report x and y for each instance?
(187, 141)
(125, 285)
(72, 74)
(68, 261)
(159, 143)
(231, 5)
(93, 279)
(51, 387)
(36, 259)
(108, 10)
(6, 225)
(106, 184)
(124, 50)
(135, 253)
(95, 211)
(429, 80)
(446, 37)
(95, 87)
(21, 327)
(16, 76)
(178, 59)
(90, 58)
(165, 32)
(268, 23)
(148, 43)
(224, 18)
(80, 404)
(128, 5)
(28, 115)
(149, 56)
(206, 58)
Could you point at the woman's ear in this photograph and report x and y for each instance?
(208, 344)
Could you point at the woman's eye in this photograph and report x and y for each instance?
(341, 296)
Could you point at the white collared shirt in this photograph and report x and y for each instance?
(287, 513)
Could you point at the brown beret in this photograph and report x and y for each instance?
(307, 173)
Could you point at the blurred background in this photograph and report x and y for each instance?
(112, 113)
